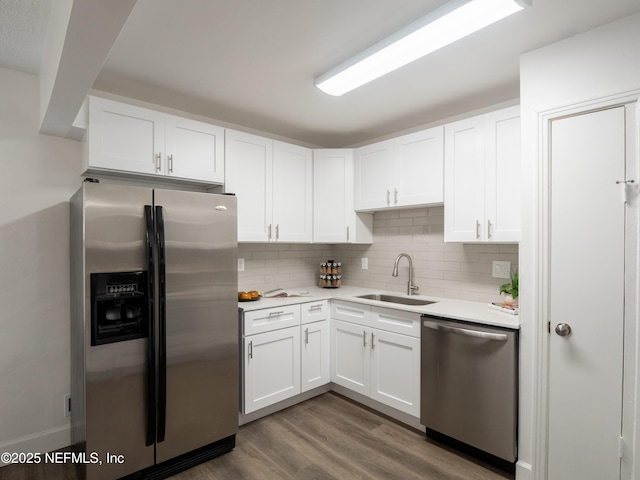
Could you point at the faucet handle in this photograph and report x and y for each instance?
(412, 287)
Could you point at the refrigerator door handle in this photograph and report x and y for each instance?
(151, 369)
(162, 327)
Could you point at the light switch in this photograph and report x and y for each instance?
(365, 263)
(241, 264)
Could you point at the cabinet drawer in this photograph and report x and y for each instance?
(314, 311)
(351, 312)
(259, 321)
(398, 321)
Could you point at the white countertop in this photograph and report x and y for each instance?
(442, 307)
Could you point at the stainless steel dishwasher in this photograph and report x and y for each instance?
(469, 396)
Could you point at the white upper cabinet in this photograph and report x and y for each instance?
(402, 172)
(292, 193)
(482, 178)
(334, 218)
(125, 139)
(273, 182)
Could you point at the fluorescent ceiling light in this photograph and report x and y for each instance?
(450, 22)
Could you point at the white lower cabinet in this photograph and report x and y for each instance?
(272, 367)
(381, 364)
(285, 352)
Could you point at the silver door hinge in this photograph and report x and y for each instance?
(620, 447)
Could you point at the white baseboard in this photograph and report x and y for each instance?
(523, 471)
(41, 442)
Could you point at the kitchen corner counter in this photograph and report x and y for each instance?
(442, 307)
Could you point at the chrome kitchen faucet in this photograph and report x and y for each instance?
(410, 286)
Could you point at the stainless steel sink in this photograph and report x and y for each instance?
(393, 299)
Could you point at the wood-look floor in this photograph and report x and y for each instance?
(327, 437)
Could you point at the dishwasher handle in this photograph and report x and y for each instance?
(502, 337)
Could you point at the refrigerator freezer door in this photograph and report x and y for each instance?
(200, 254)
(116, 380)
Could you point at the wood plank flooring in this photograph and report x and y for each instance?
(327, 437)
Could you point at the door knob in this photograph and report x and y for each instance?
(563, 329)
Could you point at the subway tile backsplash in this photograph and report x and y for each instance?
(451, 270)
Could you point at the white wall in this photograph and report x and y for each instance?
(38, 174)
(600, 63)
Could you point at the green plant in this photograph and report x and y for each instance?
(512, 287)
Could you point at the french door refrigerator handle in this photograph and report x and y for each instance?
(465, 331)
(162, 327)
(151, 368)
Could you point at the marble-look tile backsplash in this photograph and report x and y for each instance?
(451, 270)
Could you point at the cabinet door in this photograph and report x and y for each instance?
(350, 357)
(464, 180)
(125, 138)
(502, 176)
(332, 194)
(248, 174)
(292, 193)
(271, 367)
(395, 371)
(374, 176)
(315, 356)
(194, 150)
(419, 168)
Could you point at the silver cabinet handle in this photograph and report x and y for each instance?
(465, 331)
(275, 314)
(277, 231)
(618, 182)
(364, 338)
(347, 233)
(306, 336)
(388, 197)
(373, 340)
(489, 234)
(563, 329)
(170, 158)
(315, 307)
(158, 161)
(395, 195)
(477, 228)
(269, 234)
(251, 349)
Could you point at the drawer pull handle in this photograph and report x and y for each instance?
(250, 349)
(373, 340)
(364, 338)
(315, 307)
(275, 314)
(306, 336)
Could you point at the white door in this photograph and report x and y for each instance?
(248, 174)
(395, 371)
(292, 193)
(315, 355)
(332, 185)
(373, 172)
(464, 180)
(350, 356)
(586, 295)
(194, 150)
(418, 168)
(271, 367)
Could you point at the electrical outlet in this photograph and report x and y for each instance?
(241, 264)
(501, 269)
(365, 263)
(67, 405)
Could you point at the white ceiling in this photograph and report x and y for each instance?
(252, 62)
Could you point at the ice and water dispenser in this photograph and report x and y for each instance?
(119, 306)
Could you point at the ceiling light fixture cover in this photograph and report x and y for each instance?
(452, 21)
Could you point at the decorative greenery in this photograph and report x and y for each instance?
(511, 288)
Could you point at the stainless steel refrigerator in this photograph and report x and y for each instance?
(154, 329)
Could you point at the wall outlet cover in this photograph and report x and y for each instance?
(365, 263)
(501, 269)
(241, 264)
